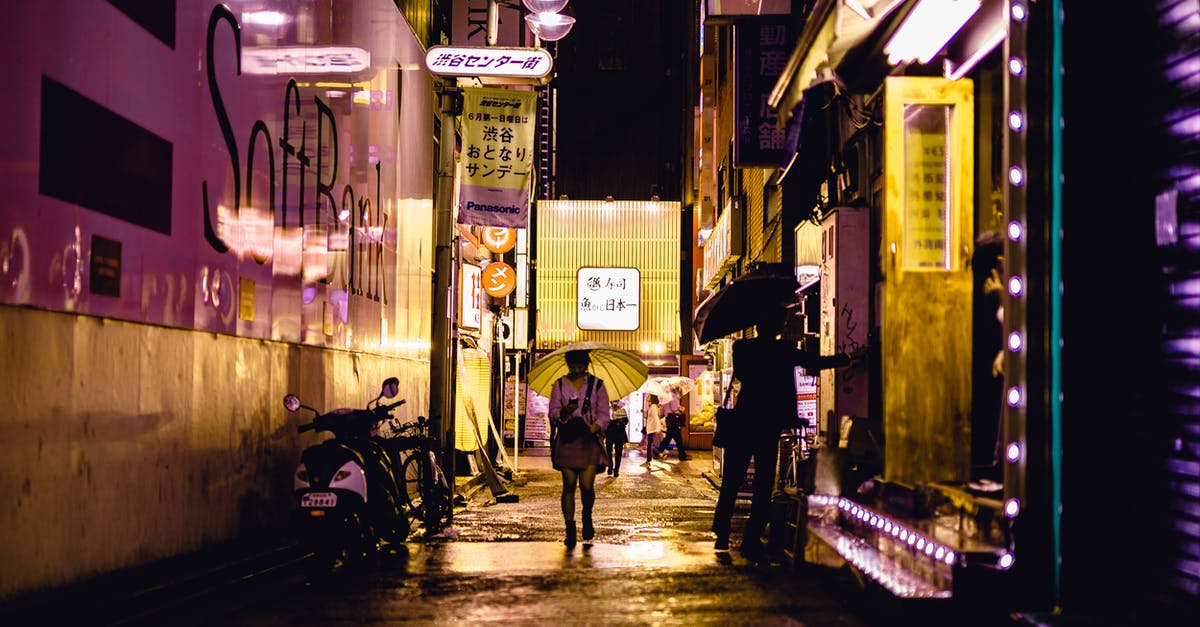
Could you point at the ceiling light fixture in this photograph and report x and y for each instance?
(927, 29)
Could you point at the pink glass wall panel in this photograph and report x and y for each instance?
(135, 146)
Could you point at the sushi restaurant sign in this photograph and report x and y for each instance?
(608, 299)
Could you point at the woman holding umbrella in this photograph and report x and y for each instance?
(579, 411)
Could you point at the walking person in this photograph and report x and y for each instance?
(615, 437)
(652, 426)
(579, 410)
(674, 420)
(767, 401)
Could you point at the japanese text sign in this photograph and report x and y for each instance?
(806, 395)
(475, 61)
(762, 48)
(499, 239)
(497, 154)
(927, 193)
(608, 299)
(470, 297)
(499, 279)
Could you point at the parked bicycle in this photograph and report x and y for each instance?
(424, 491)
(795, 448)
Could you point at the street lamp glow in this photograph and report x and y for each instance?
(544, 6)
(550, 26)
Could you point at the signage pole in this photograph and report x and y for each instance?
(517, 431)
(444, 340)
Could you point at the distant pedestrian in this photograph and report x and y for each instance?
(616, 436)
(579, 407)
(652, 426)
(674, 418)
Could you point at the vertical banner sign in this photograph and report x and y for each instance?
(762, 48)
(470, 297)
(498, 130)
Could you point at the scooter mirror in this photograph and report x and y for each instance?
(391, 387)
(291, 402)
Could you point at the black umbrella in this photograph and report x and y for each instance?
(742, 301)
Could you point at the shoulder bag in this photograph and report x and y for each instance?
(727, 431)
(576, 429)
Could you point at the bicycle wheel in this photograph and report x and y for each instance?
(788, 478)
(437, 499)
(413, 483)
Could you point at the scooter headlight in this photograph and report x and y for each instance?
(341, 474)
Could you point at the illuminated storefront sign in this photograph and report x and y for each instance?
(499, 239)
(470, 297)
(478, 61)
(724, 246)
(598, 234)
(499, 279)
(608, 299)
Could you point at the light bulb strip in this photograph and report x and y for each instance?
(897, 572)
(1017, 280)
(920, 544)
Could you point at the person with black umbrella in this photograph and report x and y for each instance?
(766, 402)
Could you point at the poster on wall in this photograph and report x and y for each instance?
(497, 156)
(806, 396)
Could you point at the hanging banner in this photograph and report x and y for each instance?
(762, 47)
(498, 130)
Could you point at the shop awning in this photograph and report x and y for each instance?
(806, 143)
(833, 29)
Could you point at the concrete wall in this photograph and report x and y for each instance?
(124, 443)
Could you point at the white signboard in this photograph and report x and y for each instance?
(489, 61)
(806, 396)
(470, 291)
(608, 299)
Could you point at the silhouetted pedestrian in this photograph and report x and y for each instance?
(615, 437)
(766, 402)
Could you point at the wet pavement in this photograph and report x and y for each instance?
(651, 563)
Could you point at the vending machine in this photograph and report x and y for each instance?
(844, 319)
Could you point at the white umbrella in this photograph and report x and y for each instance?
(668, 387)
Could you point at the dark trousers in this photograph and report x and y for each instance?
(676, 434)
(616, 451)
(765, 452)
